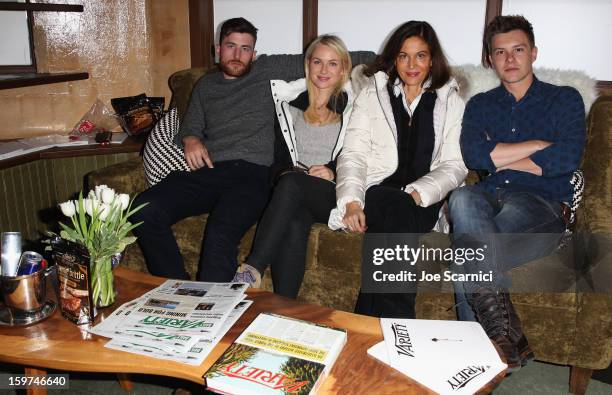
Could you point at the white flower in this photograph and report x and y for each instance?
(76, 205)
(108, 195)
(124, 199)
(103, 211)
(99, 189)
(89, 204)
(68, 208)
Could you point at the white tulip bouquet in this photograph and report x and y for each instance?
(100, 223)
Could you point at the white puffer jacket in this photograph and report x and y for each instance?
(283, 93)
(369, 154)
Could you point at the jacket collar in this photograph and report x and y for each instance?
(397, 86)
(284, 91)
(380, 83)
(335, 104)
(381, 78)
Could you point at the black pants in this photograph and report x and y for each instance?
(234, 194)
(391, 210)
(298, 201)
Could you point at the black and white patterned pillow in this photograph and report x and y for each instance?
(161, 156)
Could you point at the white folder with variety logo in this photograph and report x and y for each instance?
(449, 357)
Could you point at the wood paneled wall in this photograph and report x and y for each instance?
(29, 193)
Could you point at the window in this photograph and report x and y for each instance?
(17, 60)
(16, 51)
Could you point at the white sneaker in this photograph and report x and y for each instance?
(248, 274)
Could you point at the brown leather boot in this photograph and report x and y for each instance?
(498, 318)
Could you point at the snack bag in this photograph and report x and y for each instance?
(135, 113)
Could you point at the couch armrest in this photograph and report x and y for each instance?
(597, 167)
(592, 348)
(126, 177)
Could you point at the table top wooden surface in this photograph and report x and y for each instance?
(58, 344)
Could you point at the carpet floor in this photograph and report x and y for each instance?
(535, 378)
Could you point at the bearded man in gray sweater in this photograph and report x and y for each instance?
(227, 136)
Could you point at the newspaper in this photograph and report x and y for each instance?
(186, 308)
(25, 146)
(195, 355)
(10, 149)
(173, 318)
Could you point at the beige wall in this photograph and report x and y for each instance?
(127, 46)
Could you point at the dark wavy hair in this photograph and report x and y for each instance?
(504, 24)
(237, 25)
(440, 71)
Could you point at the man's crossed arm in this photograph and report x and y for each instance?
(516, 156)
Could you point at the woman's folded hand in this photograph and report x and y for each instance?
(321, 171)
(354, 218)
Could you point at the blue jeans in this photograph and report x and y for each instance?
(505, 223)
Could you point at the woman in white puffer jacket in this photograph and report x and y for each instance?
(401, 156)
(312, 118)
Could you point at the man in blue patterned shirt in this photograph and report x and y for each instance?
(528, 136)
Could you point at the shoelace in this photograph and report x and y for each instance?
(494, 321)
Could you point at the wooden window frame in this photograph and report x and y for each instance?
(17, 76)
(16, 69)
(202, 30)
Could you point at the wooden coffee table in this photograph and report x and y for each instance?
(60, 345)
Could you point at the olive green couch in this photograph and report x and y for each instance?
(566, 327)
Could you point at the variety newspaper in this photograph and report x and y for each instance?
(277, 355)
(449, 357)
(179, 320)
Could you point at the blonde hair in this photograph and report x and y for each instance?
(335, 43)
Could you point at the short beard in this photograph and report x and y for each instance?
(232, 71)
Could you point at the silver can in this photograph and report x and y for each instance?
(11, 252)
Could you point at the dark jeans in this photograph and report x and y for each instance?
(391, 210)
(298, 201)
(504, 223)
(234, 194)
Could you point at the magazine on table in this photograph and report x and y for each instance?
(446, 356)
(277, 355)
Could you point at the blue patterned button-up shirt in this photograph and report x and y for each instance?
(546, 112)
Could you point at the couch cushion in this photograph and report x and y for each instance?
(126, 177)
(181, 84)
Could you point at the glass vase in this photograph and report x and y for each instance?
(102, 282)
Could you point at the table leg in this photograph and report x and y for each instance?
(35, 372)
(124, 381)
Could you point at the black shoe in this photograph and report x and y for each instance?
(496, 314)
(525, 352)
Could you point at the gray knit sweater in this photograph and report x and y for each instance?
(235, 117)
